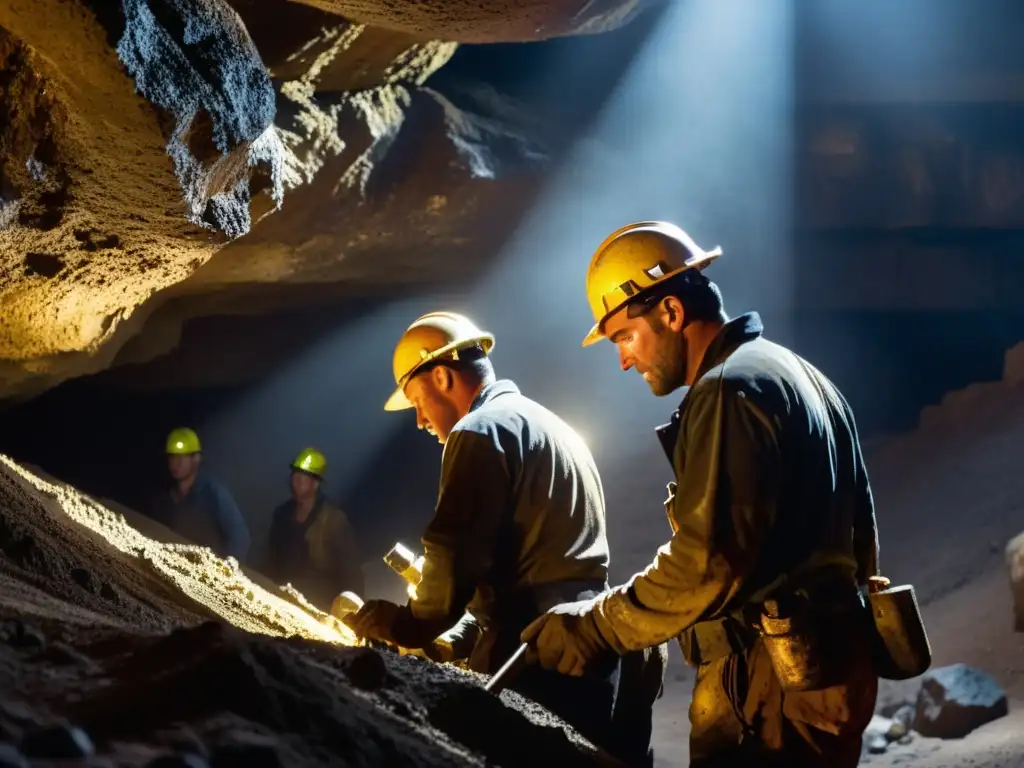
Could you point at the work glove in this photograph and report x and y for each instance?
(566, 639)
(438, 651)
(374, 621)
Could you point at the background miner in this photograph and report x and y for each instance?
(197, 505)
(311, 543)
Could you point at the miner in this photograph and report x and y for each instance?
(773, 522)
(519, 523)
(311, 544)
(197, 505)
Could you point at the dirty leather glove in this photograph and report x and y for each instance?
(374, 621)
(566, 639)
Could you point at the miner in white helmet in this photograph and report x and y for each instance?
(772, 517)
(519, 524)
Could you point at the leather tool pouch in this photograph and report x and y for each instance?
(803, 647)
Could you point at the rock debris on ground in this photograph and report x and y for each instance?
(117, 650)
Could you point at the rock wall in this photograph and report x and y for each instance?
(115, 187)
(141, 139)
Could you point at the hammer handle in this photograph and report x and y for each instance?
(508, 671)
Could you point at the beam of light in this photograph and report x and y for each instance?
(699, 131)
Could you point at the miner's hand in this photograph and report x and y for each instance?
(374, 621)
(566, 639)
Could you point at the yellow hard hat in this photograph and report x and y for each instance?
(310, 460)
(633, 259)
(183, 441)
(431, 337)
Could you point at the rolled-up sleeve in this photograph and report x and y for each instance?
(459, 543)
(724, 508)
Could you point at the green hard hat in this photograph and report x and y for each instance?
(311, 461)
(183, 442)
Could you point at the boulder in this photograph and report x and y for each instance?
(955, 700)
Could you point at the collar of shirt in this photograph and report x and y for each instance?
(493, 390)
(734, 333)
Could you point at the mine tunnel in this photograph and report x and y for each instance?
(224, 217)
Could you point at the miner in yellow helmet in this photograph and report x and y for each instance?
(519, 521)
(197, 505)
(773, 524)
(311, 544)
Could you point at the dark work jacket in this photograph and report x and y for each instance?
(206, 516)
(318, 556)
(519, 526)
(771, 495)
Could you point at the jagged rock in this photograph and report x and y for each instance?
(955, 700)
(143, 139)
(135, 140)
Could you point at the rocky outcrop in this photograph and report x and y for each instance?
(147, 142)
(116, 645)
(123, 170)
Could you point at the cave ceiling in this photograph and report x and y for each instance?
(162, 160)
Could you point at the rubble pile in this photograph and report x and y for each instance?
(120, 650)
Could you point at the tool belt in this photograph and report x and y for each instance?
(706, 641)
(806, 634)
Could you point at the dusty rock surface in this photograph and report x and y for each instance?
(120, 650)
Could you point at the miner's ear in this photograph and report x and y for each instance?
(673, 314)
(443, 378)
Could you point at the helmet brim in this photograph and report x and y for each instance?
(311, 473)
(595, 335)
(699, 262)
(398, 401)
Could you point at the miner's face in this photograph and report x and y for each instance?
(430, 394)
(652, 341)
(304, 485)
(183, 467)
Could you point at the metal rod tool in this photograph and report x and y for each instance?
(508, 670)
